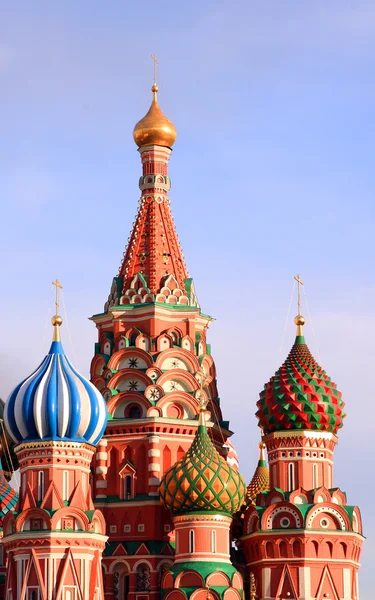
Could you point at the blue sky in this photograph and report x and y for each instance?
(272, 174)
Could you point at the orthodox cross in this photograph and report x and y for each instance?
(299, 283)
(58, 287)
(156, 62)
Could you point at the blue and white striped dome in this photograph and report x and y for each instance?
(56, 403)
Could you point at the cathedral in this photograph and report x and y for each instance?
(129, 485)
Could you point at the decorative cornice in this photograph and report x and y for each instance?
(53, 444)
(202, 517)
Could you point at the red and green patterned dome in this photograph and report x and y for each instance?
(202, 481)
(300, 395)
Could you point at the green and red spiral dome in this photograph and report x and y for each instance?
(300, 396)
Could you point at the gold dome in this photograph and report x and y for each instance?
(154, 128)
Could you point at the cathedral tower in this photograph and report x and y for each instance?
(54, 538)
(153, 366)
(202, 492)
(302, 540)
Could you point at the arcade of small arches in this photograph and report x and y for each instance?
(124, 576)
(307, 547)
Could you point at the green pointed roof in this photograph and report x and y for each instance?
(202, 480)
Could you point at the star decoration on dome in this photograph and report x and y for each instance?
(133, 363)
(133, 385)
(175, 363)
(173, 385)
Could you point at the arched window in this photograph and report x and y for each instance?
(132, 338)
(128, 487)
(270, 550)
(315, 476)
(291, 477)
(66, 485)
(283, 550)
(191, 541)
(134, 412)
(40, 486)
(213, 541)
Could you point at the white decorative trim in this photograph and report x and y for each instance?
(154, 452)
(283, 509)
(329, 510)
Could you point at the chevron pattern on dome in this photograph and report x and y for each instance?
(8, 496)
(202, 481)
(261, 478)
(300, 396)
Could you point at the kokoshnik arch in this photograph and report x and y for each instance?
(130, 488)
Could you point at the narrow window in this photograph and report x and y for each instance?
(315, 476)
(128, 487)
(213, 541)
(66, 485)
(330, 484)
(191, 541)
(274, 476)
(40, 486)
(291, 479)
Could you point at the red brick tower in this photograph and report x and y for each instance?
(152, 363)
(301, 540)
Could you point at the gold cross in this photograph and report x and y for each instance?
(299, 282)
(156, 62)
(58, 286)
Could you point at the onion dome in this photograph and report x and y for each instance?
(55, 402)
(202, 481)
(261, 478)
(154, 128)
(8, 496)
(300, 395)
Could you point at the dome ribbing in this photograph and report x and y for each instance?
(56, 403)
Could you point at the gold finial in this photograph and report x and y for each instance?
(56, 319)
(154, 129)
(299, 320)
(156, 62)
(262, 447)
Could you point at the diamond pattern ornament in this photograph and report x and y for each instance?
(261, 478)
(300, 396)
(202, 481)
